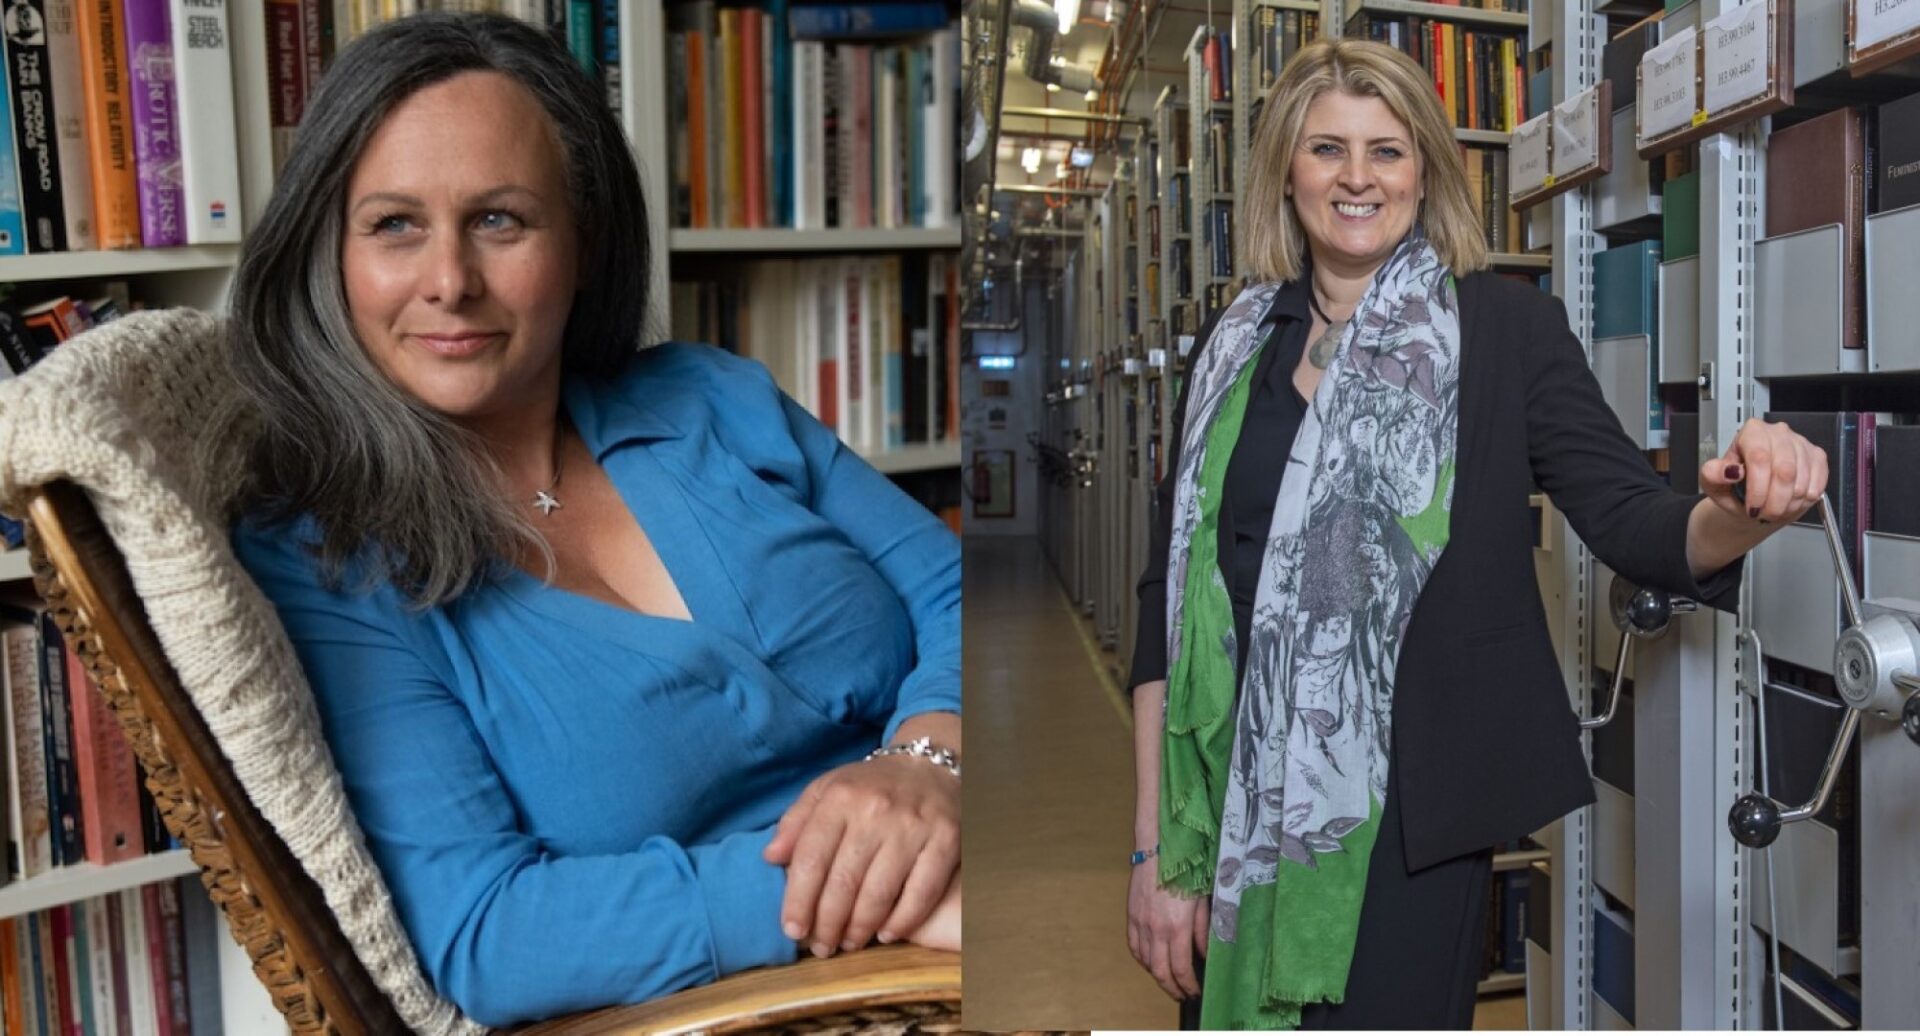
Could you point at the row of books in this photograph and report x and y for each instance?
(1505, 952)
(871, 346)
(1277, 36)
(1840, 167)
(75, 792)
(773, 131)
(1219, 238)
(1217, 154)
(1487, 185)
(1481, 76)
(116, 126)
(303, 35)
(133, 962)
(28, 332)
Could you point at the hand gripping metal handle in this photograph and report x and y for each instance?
(1640, 614)
(1876, 664)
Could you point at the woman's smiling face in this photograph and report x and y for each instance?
(460, 256)
(1355, 180)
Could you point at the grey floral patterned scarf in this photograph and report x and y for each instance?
(1281, 828)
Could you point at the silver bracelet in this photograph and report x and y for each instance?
(925, 749)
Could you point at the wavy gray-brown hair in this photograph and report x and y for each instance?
(391, 484)
(1272, 245)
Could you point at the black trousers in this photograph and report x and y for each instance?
(1417, 958)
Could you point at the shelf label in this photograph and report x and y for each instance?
(1527, 157)
(1736, 66)
(1877, 21)
(1700, 117)
(1667, 85)
(1576, 136)
(1156, 358)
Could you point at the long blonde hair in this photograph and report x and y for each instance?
(1272, 244)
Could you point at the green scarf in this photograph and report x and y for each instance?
(1272, 802)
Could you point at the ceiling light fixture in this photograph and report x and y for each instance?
(1030, 160)
(1069, 11)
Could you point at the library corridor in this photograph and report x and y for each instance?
(1049, 795)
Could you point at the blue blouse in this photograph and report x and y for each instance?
(569, 799)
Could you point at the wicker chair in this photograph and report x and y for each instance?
(276, 910)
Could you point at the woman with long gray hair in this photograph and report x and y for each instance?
(635, 675)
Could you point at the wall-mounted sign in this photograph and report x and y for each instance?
(1668, 90)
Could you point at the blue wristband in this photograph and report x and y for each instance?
(1141, 856)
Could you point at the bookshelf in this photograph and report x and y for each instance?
(60, 266)
(1444, 13)
(1169, 122)
(1211, 124)
(700, 252)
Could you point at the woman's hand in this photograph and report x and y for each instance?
(870, 848)
(1165, 931)
(1784, 476)
(942, 928)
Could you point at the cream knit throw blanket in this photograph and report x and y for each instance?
(120, 411)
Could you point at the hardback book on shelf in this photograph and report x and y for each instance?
(1480, 74)
(772, 130)
(869, 345)
(1816, 175)
(120, 128)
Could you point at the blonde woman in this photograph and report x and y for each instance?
(1344, 689)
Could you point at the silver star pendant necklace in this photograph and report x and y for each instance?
(544, 498)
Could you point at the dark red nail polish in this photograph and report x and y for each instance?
(1733, 472)
(1753, 512)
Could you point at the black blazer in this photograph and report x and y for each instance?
(1485, 745)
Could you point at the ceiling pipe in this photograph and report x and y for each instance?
(1040, 17)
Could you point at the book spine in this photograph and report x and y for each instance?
(156, 141)
(122, 984)
(886, 174)
(66, 64)
(63, 775)
(100, 966)
(133, 920)
(32, 1004)
(860, 93)
(860, 21)
(699, 127)
(13, 217)
(12, 1020)
(80, 963)
(109, 126)
(109, 781)
(779, 47)
(606, 25)
(156, 959)
(203, 82)
(731, 179)
(286, 92)
(30, 82)
(580, 34)
(56, 935)
(753, 143)
(173, 930)
(832, 132)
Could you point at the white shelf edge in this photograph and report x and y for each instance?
(1520, 260)
(683, 239)
(54, 266)
(922, 457)
(85, 881)
(1311, 6)
(14, 565)
(1497, 138)
(1446, 12)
